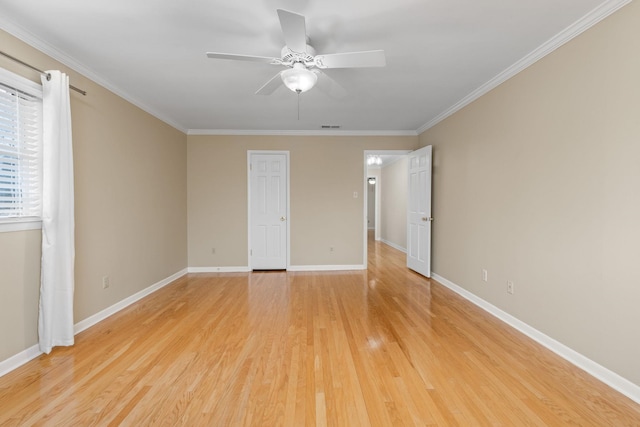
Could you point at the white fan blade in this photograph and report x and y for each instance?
(329, 86)
(270, 86)
(216, 55)
(371, 58)
(293, 30)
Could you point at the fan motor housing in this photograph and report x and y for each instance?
(289, 56)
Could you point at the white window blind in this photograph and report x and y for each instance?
(20, 148)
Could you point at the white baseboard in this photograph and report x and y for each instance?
(92, 320)
(613, 380)
(325, 267)
(394, 246)
(32, 352)
(290, 268)
(239, 269)
(14, 362)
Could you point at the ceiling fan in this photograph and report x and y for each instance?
(303, 65)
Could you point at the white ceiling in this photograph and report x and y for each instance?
(153, 53)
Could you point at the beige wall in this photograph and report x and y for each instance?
(324, 173)
(538, 182)
(130, 180)
(394, 188)
(19, 291)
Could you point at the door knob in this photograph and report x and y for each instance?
(283, 218)
(427, 218)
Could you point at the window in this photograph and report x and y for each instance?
(20, 152)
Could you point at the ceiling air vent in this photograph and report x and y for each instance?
(330, 127)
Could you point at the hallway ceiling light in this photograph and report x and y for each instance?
(374, 160)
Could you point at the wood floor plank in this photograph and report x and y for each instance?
(381, 347)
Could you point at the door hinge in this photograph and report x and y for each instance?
(250, 166)
(250, 252)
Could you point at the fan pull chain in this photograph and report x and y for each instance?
(298, 92)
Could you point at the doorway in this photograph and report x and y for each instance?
(371, 203)
(403, 203)
(268, 205)
(383, 210)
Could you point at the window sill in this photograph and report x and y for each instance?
(22, 224)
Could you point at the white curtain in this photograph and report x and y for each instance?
(55, 320)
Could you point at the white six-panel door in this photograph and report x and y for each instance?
(268, 211)
(419, 211)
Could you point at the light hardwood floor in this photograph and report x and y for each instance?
(383, 347)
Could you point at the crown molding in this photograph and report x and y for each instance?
(566, 35)
(301, 132)
(46, 48)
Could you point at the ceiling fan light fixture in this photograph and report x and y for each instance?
(299, 79)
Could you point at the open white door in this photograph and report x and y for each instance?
(419, 212)
(268, 211)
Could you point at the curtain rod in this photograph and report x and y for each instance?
(13, 58)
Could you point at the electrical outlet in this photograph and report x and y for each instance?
(485, 275)
(105, 282)
(510, 287)
(330, 248)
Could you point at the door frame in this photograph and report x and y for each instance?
(365, 195)
(250, 153)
